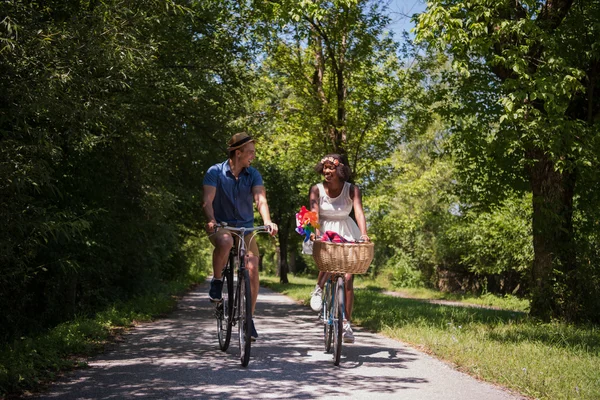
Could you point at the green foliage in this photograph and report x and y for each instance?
(428, 236)
(108, 116)
(403, 272)
(523, 116)
(331, 82)
(410, 210)
(497, 242)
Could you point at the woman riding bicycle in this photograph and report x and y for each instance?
(333, 200)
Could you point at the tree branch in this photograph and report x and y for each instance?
(553, 13)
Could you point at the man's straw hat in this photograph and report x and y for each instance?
(238, 140)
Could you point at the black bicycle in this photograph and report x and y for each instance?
(236, 307)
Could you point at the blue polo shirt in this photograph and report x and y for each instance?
(233, 203)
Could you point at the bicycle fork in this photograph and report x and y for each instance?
(332, 314)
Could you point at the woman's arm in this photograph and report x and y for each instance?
(359, 213)
(313, 202)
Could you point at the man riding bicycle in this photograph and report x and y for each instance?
(230, 189)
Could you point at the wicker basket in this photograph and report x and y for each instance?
(353, 258)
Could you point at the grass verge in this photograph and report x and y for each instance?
(539, 360)
(28, 363)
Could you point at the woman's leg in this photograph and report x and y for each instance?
(322, 279)
(349, 296)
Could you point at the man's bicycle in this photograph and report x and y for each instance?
(338, 259)
(236, 307)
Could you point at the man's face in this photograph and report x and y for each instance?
(246, 155)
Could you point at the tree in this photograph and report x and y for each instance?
(525, 74)
(336, 83)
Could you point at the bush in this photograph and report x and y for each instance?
(403, 271)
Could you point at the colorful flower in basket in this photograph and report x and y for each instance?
(307, 223)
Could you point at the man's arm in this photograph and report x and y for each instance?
(260, 198)
(207, 205)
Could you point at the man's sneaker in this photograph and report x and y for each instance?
(215, 293)
(348, 335)
(316, 299)
(254, 334)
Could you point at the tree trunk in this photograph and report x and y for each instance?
(341, 92)
(552, 285)
(292, 260)
(283, 254)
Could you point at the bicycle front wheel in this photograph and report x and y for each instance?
(225, 319)
(338, 320)
(245, 312)
(327, 315)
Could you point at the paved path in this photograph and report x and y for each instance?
(178, 358)
(442, 302)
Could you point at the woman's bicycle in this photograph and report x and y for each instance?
(236, 307)
(333, 314)
(338, 259)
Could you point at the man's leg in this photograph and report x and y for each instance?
(252, 267)
(223, 241)
(252, 255)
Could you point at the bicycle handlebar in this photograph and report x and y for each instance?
(223, 225)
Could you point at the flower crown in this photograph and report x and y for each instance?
(332, 160)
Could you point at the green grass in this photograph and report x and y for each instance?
(539, 360)
(28, 363)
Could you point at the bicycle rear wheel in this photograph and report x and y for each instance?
(338, 320)
(225, 317)
(327, 315)
(245, 312)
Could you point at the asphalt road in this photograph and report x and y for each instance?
(178, 358)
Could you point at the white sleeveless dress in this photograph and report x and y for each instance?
(334, 213)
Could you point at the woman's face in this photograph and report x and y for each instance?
(329, 172)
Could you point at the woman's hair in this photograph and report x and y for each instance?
(342, 169)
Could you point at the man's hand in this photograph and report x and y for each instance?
(210, 227)
(272, 227)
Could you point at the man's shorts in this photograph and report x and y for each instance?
(251, 246)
